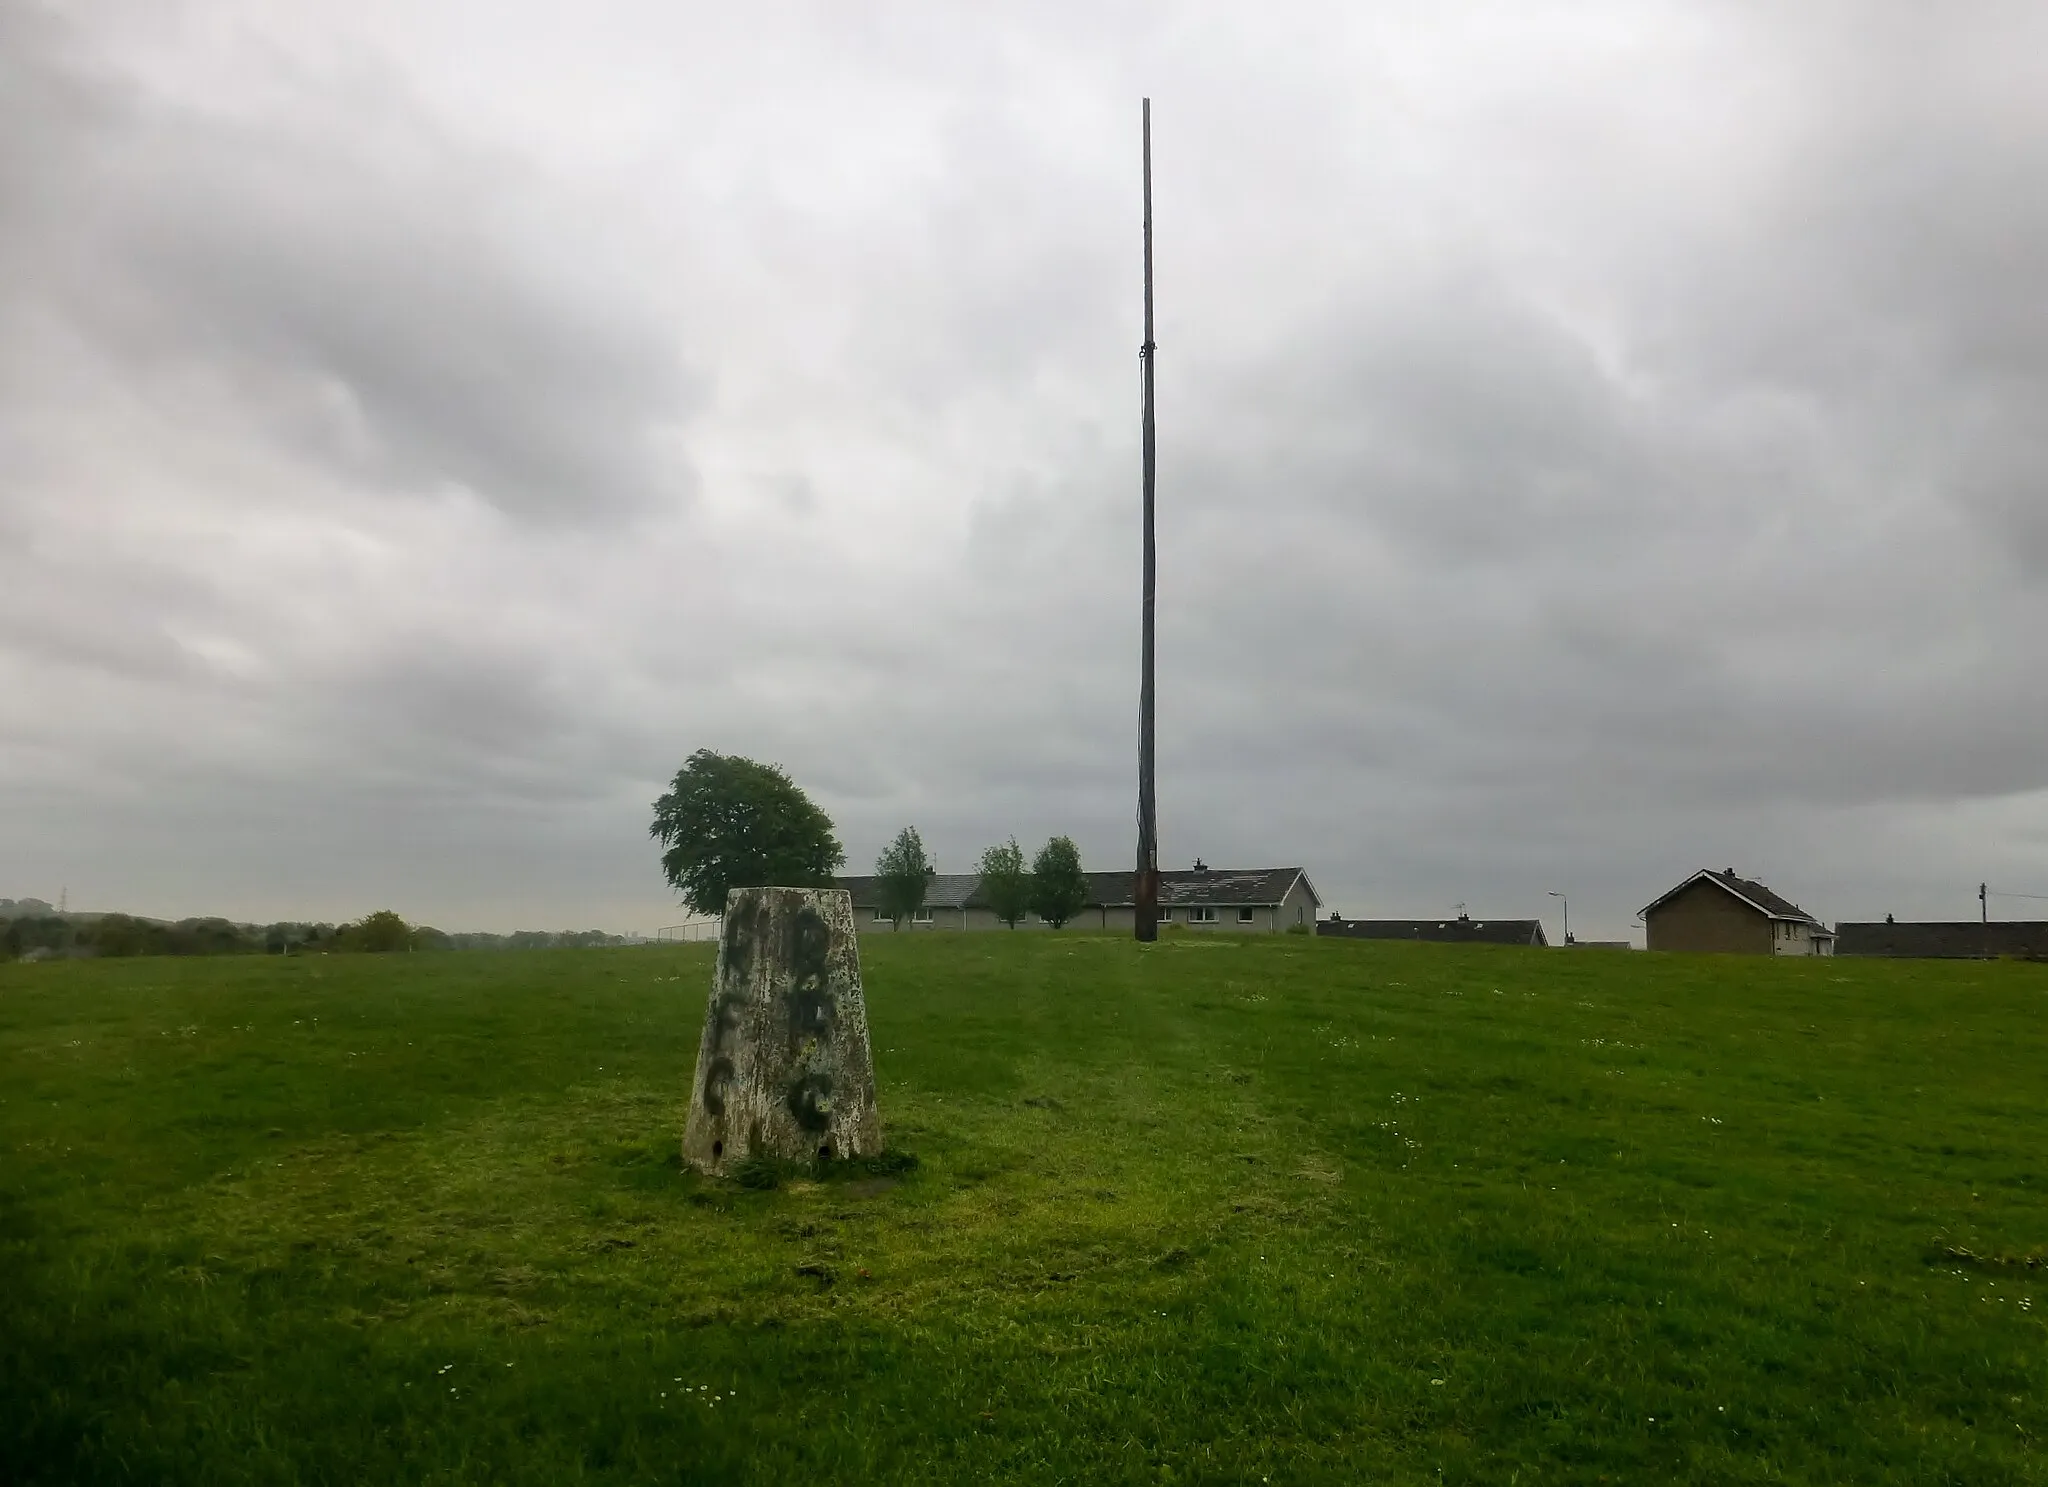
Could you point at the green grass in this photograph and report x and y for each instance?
(1219, 1211)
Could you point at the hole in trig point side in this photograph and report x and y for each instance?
(825, 1152)
(717, 1150)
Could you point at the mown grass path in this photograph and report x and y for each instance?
(1219, 1211)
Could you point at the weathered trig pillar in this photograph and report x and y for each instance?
(784, 1069)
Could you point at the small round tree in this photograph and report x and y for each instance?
(380, 932)
(902, 874)
(1006, 882)
(729, 823)
(1059, 889)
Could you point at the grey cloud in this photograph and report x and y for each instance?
(1646, 482)
(413, 311)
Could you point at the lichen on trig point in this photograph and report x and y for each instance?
(784, 1070)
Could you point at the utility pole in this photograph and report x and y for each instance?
(1147, 886)
(1983, 904)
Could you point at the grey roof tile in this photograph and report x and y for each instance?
(942, 891)
(1444, 931)
(1756, 893)
(1945, 940)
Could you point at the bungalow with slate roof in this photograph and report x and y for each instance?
(1719, 913)
(1463, 930)
(1964, 939)
(1246, 901)
(946, 904)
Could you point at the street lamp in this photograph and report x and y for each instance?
(1554, 893)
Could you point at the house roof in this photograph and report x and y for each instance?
(1224, 886)
(1221, 887)
(1758, 897)
(1458, 931)
(1945, 940)
(941, 890)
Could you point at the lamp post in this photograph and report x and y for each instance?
(1559, 896)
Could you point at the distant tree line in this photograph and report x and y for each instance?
(727, 822)
(1053, 887)
(119, 935)
(122, 934)
(533, 939)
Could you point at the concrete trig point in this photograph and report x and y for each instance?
(784, 1069)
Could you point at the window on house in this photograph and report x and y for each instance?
(1201, 915)
(922, 916)
(1244, 916)
(881, 916)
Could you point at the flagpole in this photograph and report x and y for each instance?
(1147, 885)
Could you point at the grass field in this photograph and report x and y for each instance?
(1216, 1211)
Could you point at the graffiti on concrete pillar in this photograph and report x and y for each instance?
(784, 1068)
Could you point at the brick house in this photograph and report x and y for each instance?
(1720, 913)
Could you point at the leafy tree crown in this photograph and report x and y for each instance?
(1006, 882)
(902, 874)
(385, 930)
(1059, 889)
(729, 823)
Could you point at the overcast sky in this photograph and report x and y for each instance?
(1597, 441)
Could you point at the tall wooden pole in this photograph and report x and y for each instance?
(1147, 886)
